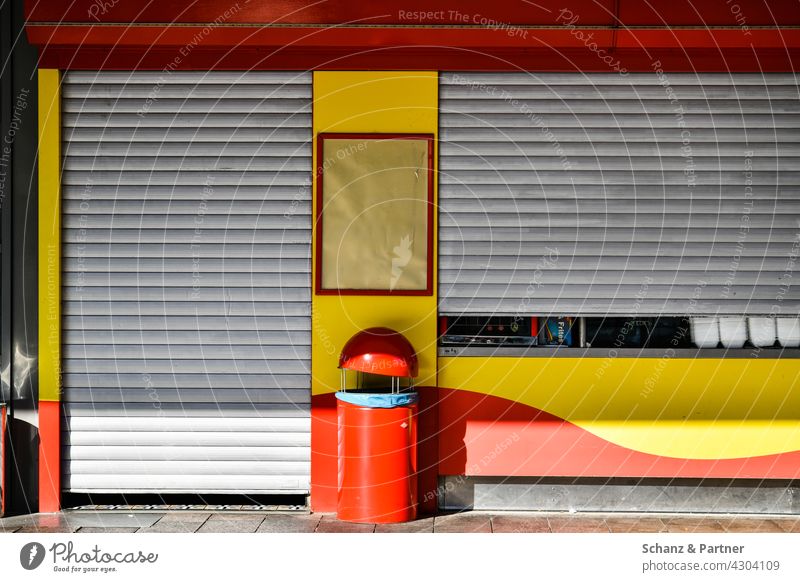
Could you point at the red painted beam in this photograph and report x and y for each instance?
(386, 34)
(147, 38)
(710, 13)
(709, 38)
(380, 12)
(394, 59)
(388, 12)
(562, 49)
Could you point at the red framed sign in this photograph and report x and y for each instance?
(374, 214)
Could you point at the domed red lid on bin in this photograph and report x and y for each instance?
(380, 350)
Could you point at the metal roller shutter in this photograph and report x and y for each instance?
(619, 194)
(186, 283)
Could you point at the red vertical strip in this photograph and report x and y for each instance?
(49, 456)
(324, 453)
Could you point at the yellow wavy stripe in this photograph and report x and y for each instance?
(685, 408)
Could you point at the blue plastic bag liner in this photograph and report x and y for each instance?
(377, 400)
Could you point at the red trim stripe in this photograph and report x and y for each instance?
(324, 453)
(445, 12)
(49, 456)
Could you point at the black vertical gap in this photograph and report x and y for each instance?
(5, 198)
(19, 259)
(614, 28)
(6, 92)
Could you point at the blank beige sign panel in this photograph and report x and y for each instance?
(374, 214)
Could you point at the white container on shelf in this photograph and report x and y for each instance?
(789, 331)
(733, 331)
(705, 332)
(761, 331)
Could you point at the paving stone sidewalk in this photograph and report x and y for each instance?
(464, 522)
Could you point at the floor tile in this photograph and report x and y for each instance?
(462, 523)
(108, 529)
(178, 522)
(12, 524)
(422, 525)
(693, 525)
(791, 525)
(45, 523)
(173, 527)
(184, 517)
(578, 524)
(47, 529)
(329, 524)
(284, 523)
(219, 523)
(105, 520)
(635, 525)
(749, 525)
(519, 524)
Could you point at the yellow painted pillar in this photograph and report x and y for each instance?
(49, 290)
(366, 102)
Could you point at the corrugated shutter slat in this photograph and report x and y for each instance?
(186, 285)
(596, 194)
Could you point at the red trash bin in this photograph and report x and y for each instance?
(377, 457)
(377, 481)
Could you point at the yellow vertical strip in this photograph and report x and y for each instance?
(49, 235)
(374, 102)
